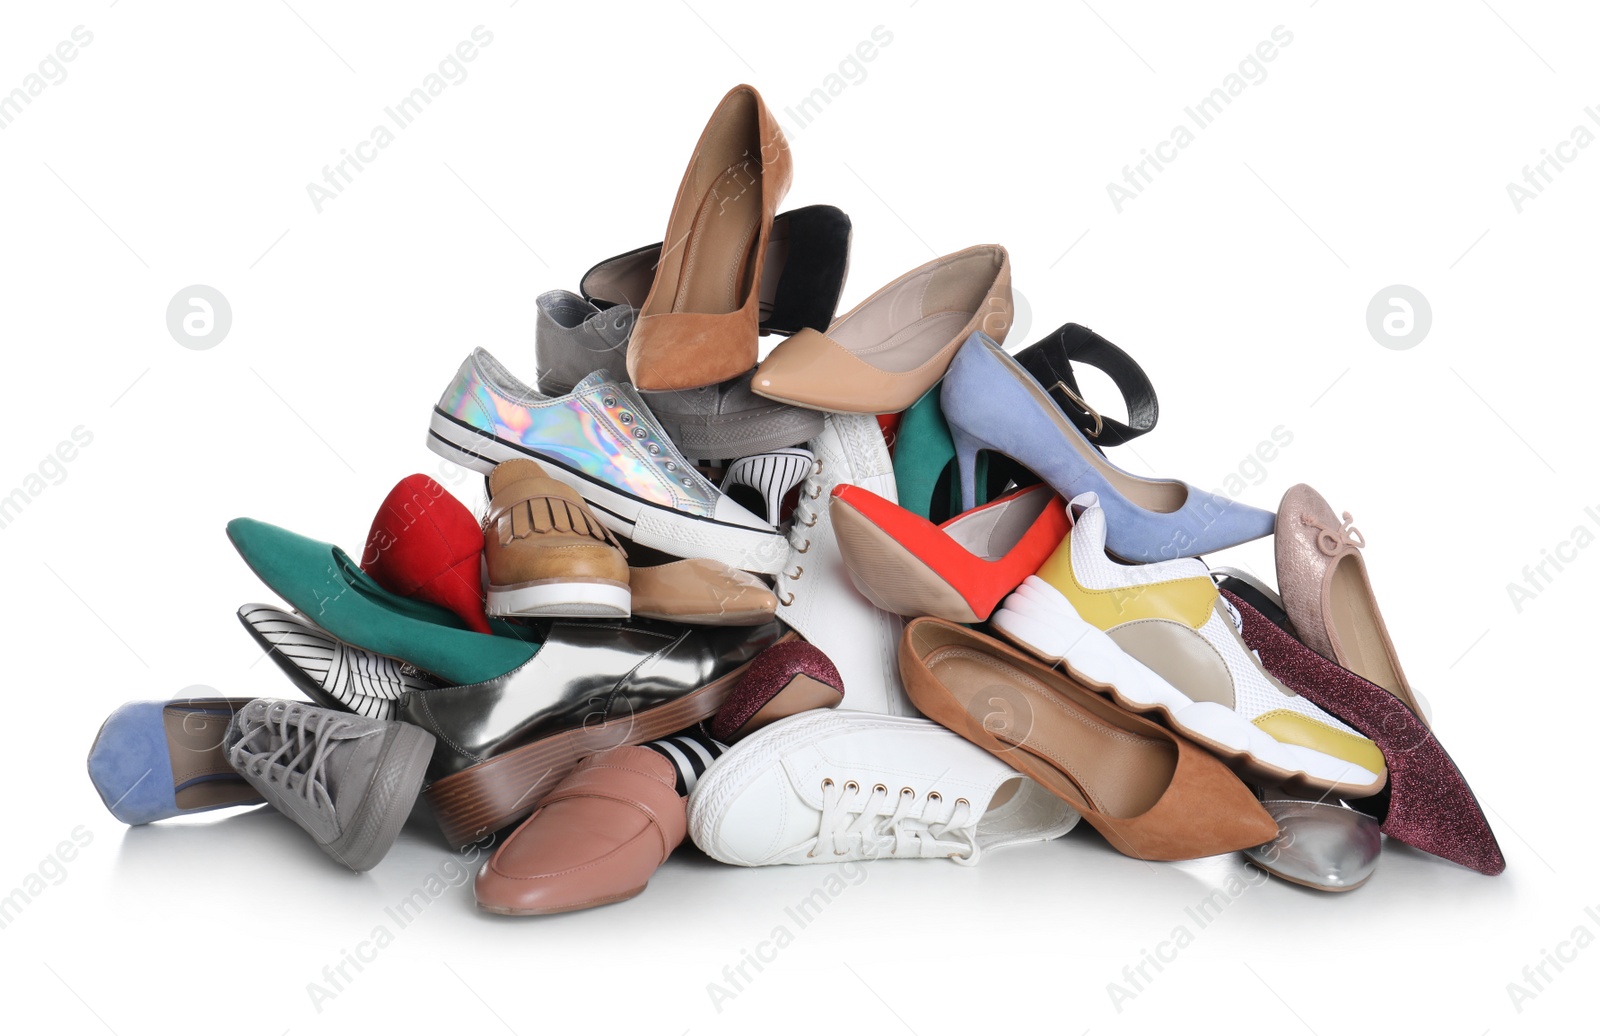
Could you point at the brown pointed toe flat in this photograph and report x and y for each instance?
(1153, 794)
(698, 326)
(1323, 580)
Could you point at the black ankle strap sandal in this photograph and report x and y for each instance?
(1050, 359)
(807, 261)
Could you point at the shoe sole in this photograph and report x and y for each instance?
(1263, 868)
(890, 576)
(561, 598)
(753, 617)
(643, 522)
(498, 792)
(387, 800)
(1096, 661)
(567, 908)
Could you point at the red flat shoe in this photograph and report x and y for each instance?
(958, 571)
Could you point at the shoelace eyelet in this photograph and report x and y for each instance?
(802, 550)
(639, 433)
(851, 786)
(799, 570)
(609, 400)
(625, 417)
(654, 449)
(790, 601)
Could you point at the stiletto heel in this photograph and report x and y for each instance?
(967, 448)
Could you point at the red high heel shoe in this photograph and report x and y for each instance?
(958, 571)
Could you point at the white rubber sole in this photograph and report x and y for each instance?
(585, 600)
(1038, 618)
(651, 525)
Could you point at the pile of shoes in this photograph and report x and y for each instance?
(706, 599)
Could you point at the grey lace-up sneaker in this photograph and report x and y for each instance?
(348, 780)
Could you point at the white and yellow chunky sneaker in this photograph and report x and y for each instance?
(1160, 638)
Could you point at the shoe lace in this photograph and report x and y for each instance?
(650, 437)
(305, 737)
(807, 512)
(907, 825)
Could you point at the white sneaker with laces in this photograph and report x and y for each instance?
(815, 594)
(830, 787)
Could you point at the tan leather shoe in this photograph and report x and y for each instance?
(596, 839)
(701, 592)
(880, 357)
(1153, 794)
(699, 324)
(546, 552)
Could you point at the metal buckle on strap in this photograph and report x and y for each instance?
(1099, 423)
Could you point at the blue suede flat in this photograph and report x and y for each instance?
(157, 759)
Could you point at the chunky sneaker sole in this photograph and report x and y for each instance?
(1039, 619)
(642, 521)
(561, 598)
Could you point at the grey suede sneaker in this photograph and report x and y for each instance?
(573, 338)
(348, 780)
(727, 421)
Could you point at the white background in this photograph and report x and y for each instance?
(1375, 152)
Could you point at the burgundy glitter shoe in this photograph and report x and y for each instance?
(1430, 805)
(784, 680)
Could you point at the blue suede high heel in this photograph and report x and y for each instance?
(991, 403)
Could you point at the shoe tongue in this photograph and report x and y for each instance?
(594, 381)
(1088, 520)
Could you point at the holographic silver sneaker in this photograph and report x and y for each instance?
(603, 441)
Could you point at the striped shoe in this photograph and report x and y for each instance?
(761, 481)
(330, 672)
